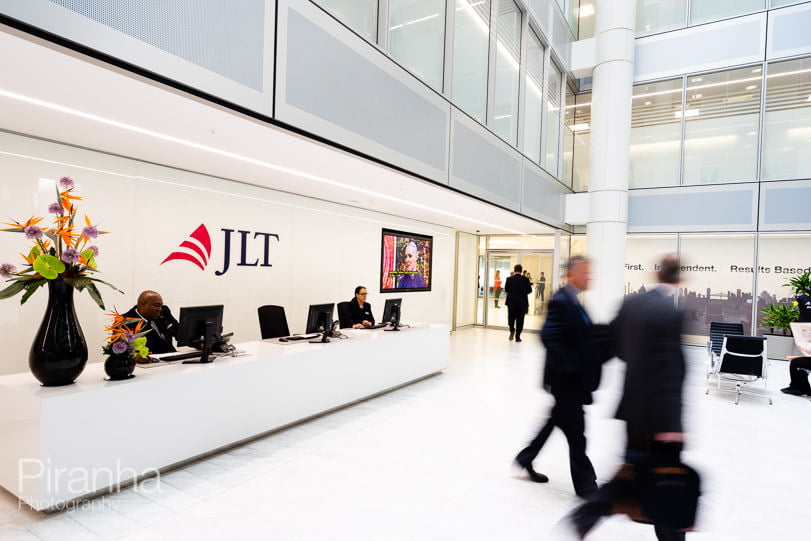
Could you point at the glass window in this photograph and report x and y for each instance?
(471, 39)
(656, 134)
(780, 3)
(780, 257)
(417, 37)
(508, 55)
(642, 254)
(586, 19)
(533, 102)
(568, 137)
(654, 16)
(704, 11)
(721, 131)
(787, 125)
(582, 142)
(717, 282)
(551, 141)
(359, 15)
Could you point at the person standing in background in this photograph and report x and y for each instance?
(541, 286)
(497, 287)
(517, 287)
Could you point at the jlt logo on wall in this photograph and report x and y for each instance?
(196, 249)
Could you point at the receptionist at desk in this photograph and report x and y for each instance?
(158, 319)
(360, 311)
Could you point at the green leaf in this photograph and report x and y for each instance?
(89, 256)
(79, 283)
(32, 285)
(13, 289)
(93, 291)
(48, 266)
(108, 284)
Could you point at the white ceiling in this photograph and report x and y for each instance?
(56, 94)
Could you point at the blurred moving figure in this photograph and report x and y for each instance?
(647, 333)
(571, 373)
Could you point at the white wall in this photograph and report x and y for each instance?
(324, 249)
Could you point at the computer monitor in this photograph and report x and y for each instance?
(391, 312)
(200, 327)
(319, 318)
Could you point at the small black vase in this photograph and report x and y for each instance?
(59, 352)
(119, 367)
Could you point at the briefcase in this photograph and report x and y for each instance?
(669, 495)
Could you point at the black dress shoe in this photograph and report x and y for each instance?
(793, 391)
(517, 339)
(512, 334)
(533, 475)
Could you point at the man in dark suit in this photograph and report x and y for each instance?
(647, 334)
(517, 287)
(158, 320)
(571, 373)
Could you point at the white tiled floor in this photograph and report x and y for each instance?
(432, 461)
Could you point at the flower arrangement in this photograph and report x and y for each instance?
(126, 338)
(59, 251)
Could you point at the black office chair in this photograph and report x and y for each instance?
(272, 321)
(344, 315)
(719, 329)
(742, 361)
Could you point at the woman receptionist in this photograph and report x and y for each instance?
(360, 311)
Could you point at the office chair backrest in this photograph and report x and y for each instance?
(743, 355)
(344, 315)
(272, 321)
(719, 329)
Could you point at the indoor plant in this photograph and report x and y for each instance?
(125, 342)
(64, 258)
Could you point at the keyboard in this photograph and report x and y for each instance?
(303, 336)
(181, 356)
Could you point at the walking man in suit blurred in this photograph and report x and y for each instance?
(571, 373)
(647, 333)
(517, 287)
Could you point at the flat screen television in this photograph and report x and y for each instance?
(319, 316)
(391, 311)
(200, 327)
(405, 261)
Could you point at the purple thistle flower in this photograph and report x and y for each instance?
(33, 232)
(91, 232)
(119, 347)
(6, 269)
(95, 250)
(70, 256)
(55, 208)
(66, 182)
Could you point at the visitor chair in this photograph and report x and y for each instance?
(742, 361)
(719, 329)
(272, 321)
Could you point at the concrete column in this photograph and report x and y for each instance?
(609, 159)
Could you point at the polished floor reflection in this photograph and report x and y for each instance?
(432, 461)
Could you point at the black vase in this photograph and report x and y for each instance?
(59, 352)
(119, 367)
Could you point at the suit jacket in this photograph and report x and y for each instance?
(358, 314)
(647, 331)
(571, 365)
(517, 287)
(166, 324)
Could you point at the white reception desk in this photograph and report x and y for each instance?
(58, 444)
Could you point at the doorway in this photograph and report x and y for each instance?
(494, 268)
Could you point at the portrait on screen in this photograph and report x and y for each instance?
(405, 261)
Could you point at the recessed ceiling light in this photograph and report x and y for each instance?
(751, 87)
